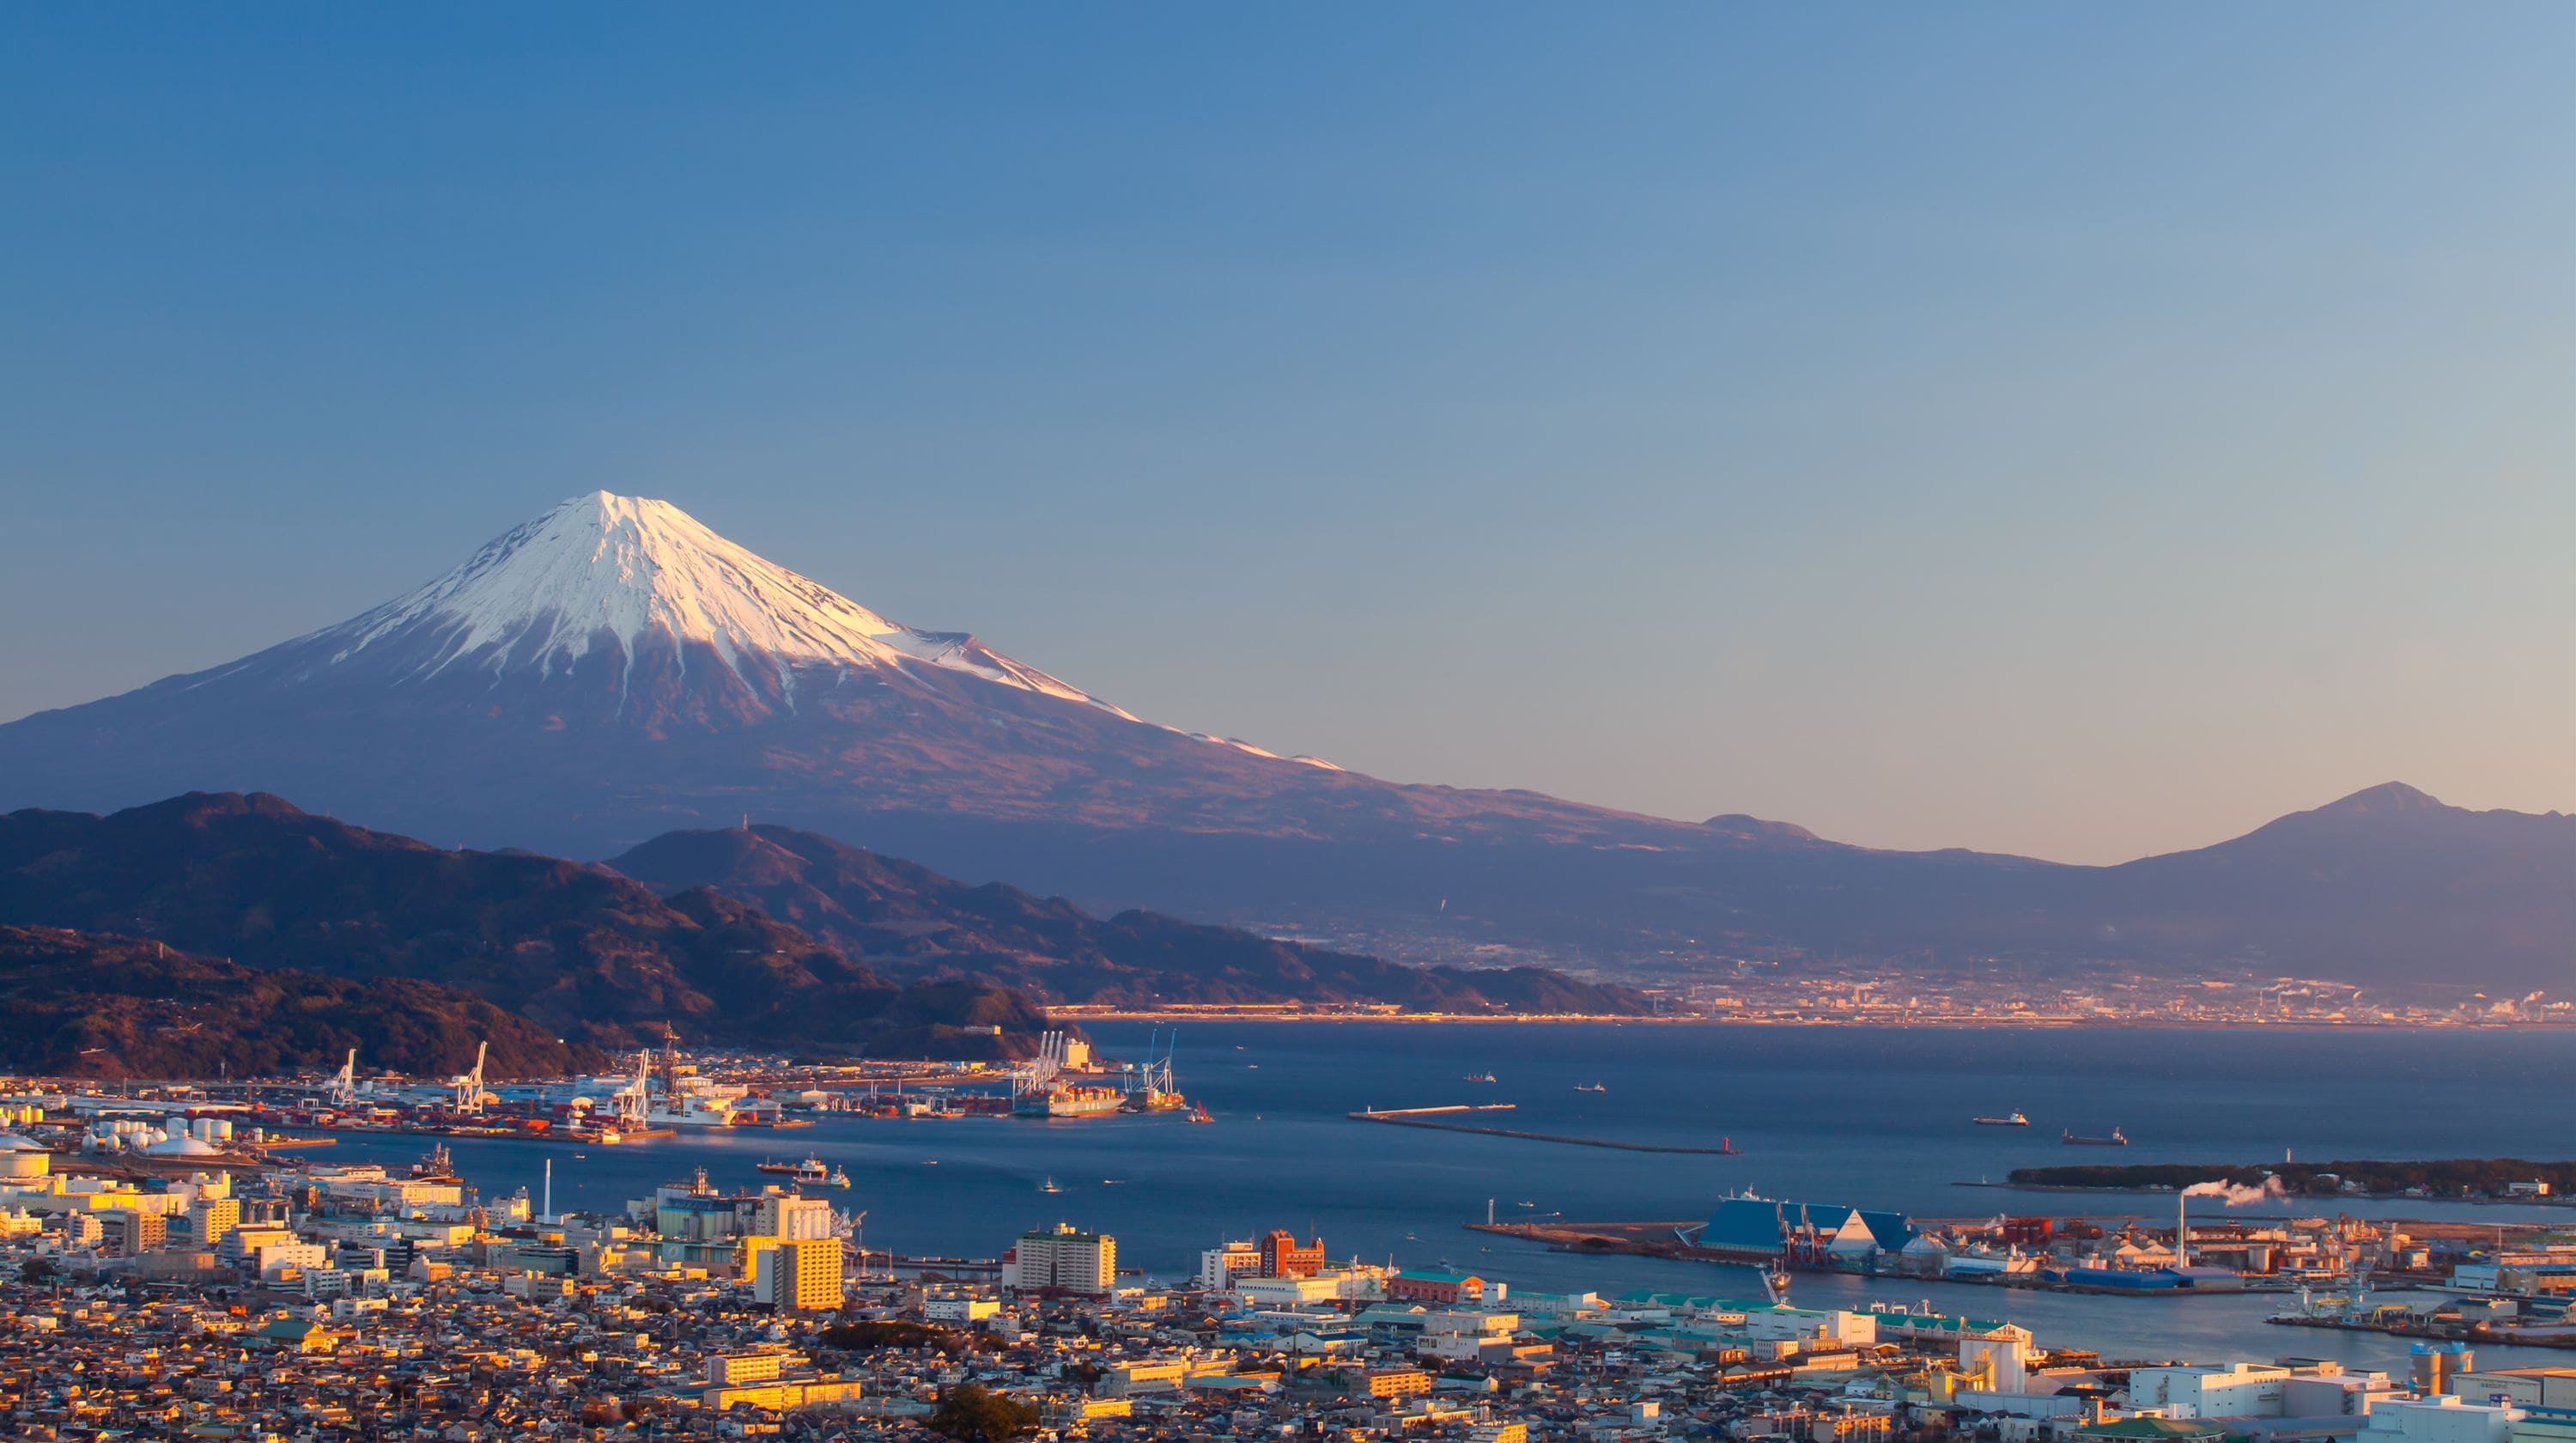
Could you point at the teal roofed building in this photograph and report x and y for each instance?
(1823, 1231)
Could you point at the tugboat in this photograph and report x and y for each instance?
(2116, 1139)
(1049, 1185)
(1199, 1113)
(2016, 1120)
(838, 1179)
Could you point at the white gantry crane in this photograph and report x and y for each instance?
(469, 1088)
(635, 1099)
(1153, 1076)
(344, 1083)
(1039, 1073)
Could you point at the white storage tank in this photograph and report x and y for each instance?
(23, 1157)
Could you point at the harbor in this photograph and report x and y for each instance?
(663, 1094)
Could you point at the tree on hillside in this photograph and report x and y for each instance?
(973, 1413)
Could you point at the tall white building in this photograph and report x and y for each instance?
(1220, 1266)
(803, 1274)
(1074, 1261)
(790, 1218)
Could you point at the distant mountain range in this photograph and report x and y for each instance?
(906, 920)
(591, 956)
(78, 1004)
(349, 931)
(613, 670)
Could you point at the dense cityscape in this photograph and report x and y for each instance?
(184, 1261)
(1814, 994)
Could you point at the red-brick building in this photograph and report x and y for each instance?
(1281, 1257)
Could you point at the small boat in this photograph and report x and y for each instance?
(1200, 1114)
(1049, 1185)
(838, 1179)
(2015, 1120)
(1480, 1077)
(2116, 1139)
(1590, 1087)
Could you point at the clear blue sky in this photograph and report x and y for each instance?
(2080, 430)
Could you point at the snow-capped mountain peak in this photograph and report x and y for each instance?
(602, 569)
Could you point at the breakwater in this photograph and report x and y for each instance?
(1426, 1117)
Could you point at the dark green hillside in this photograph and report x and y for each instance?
(592, 955)
(80, 1004)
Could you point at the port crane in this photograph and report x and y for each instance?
(634, 1100)
(852, 1228)
(1039, 1073)
(344, 1083)
(1153, 1077)
(469, 1087)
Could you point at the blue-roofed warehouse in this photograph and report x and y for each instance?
(1773, 1227)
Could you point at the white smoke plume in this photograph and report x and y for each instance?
(2233, 1196)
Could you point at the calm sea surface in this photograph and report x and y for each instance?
(1871, 1118)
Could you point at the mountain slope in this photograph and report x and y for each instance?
(613, 670)
(597, 957)
(86, 1005)
(907, 920)
(613, 666)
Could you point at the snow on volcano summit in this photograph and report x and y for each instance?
(605, 569)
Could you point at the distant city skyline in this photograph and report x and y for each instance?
(2067, 433)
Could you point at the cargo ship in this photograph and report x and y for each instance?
(811, 1172)
(2116, 1139)
(1154, 1099)
(2016, 1120)
(1067, 1101)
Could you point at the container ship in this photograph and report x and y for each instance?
(1067, 1101)
(1154, 1099)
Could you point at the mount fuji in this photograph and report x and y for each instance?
(613, 670)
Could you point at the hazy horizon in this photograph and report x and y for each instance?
(2077, 434)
